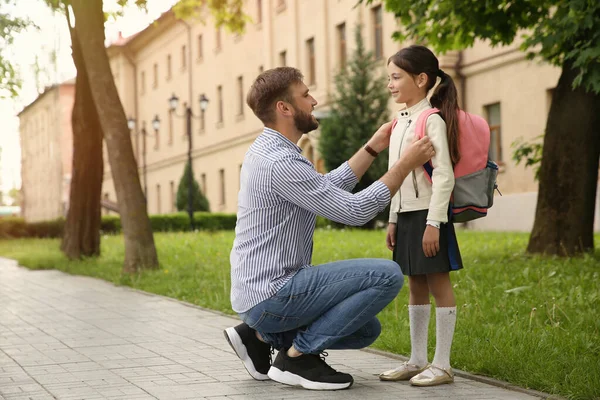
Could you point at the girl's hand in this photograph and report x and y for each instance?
(390, 237)
(431, 241)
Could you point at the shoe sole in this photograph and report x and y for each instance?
(288, 378)
(235, 341)
(429, 384)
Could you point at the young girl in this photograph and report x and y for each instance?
(422, 240)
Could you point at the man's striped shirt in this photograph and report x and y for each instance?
(280, 195)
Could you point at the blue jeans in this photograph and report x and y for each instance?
(329, 306)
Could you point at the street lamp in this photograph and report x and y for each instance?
(203, 105)
(156, 123)
(188, 115)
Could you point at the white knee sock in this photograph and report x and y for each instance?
(445, 320)
(419, 322)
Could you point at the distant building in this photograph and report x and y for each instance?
(46, 153)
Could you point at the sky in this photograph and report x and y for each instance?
(51, 37)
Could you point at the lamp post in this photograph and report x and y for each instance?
(188, 115)
(131, 122)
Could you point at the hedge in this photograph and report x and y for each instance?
(13, 227)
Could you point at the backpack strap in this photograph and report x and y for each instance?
(394, 123)
(420, 133)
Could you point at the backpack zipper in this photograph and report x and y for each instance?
(399, 152)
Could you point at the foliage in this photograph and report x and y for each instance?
(14, 227)
(530, 152)
(10, 25)
(200, 202)
(228, 13)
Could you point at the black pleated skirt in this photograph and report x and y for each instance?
(409, 254)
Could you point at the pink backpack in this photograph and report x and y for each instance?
(475, 174)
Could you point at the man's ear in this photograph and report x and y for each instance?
(283, 108)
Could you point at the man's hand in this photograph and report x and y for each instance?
(390, 237)
(417, 153)
(381, 139)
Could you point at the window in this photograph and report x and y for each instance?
(493, 114)
(143, 83)
(282, 59)
(377, 32)
(341, 31)
(202, 121)
(222, 181)
(203, 182)
(173, 194)
(200, 48)
(310, 50)
(158, 198)
(220, 101)
(169, 67)
(240, 82)
(155, 76)
(156, 139)
(218, 39)
(258, 11)
(183, 57)
(170, 141)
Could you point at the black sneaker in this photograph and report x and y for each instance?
(309, 371)
(255, 355)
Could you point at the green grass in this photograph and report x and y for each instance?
(528, 320)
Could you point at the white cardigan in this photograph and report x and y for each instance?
(417, 193)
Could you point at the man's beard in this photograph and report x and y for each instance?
(304, 122)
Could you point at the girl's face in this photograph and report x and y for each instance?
(404, 87)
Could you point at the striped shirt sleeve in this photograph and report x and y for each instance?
(343, 177)
(296, 180)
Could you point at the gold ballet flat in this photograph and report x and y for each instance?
(403, 373)
(437, 379)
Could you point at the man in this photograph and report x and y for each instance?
(286, 303)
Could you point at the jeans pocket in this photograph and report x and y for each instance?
(273, 323)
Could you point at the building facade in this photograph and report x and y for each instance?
(46, 153)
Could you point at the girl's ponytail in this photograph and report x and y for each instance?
(445, 98)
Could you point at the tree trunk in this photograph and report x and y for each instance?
(140, 251)
(82, 228)
(564, 219)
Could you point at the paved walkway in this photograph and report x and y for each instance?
(70, 337)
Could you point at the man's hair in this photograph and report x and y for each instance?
(270, 87)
